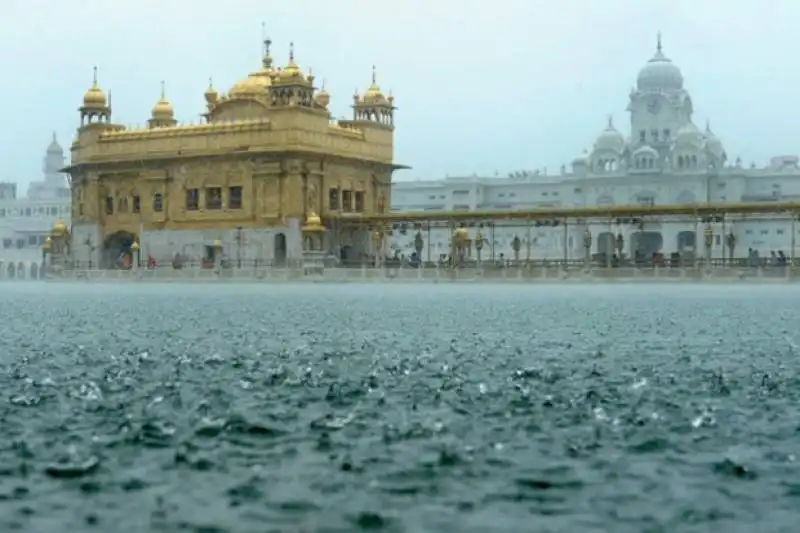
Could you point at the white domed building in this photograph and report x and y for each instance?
(664, 159)
(26, 222)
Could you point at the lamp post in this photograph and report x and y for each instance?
(587, 246)
(238, 247)
(419, 245)
(217, 246)
(135, 248)
(460, 239)
(377, 237)
(479, 246)
(89, 250)
(730, 241)
(708, 240)
(516, 245)
(46, 248)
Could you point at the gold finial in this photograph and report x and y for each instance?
(163, 91)
(266, 43)
(374, 75)
(94, 76)
(291, 52)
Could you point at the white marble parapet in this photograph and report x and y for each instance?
(439, 275)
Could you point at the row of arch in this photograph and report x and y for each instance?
(19, 270)
(685, 197)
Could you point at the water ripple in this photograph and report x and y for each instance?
(387, 408)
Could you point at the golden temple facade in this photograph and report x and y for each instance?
(264, 177)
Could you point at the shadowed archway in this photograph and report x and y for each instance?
(11, 272)
(279, 253)
(116, 251)
(34, 271)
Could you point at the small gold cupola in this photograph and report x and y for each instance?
(323, 98)
(211, 95)
(291, 88)
(96, 108)
(373, 106)
(291, 71)
(163, 115)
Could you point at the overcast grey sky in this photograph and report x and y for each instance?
(481, 85)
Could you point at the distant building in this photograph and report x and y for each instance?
(666, 159)
(26, 222)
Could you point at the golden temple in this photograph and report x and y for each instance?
(268, 172)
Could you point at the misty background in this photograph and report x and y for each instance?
(481, 86)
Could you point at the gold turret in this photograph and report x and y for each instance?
(323, 98)
(96, 107)
(373, 105)
(211, 95)
(163, 114)
(291, 87)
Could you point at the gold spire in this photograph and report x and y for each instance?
(266, 59)
(94, 97)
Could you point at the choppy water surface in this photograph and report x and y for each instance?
(216, 408)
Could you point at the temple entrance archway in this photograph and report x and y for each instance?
(346, 254)
(646, 243)
(279, 253)
(116, 251)
(34, 271)
(11, 271)
(20, 270)
(606, 243)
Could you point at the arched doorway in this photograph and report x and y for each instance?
(34, 271)
(346, 254)
(20, 271)
(2, 270)
(646, 243)
(605, 243)
(687, 241)
(280, 249)
(11, 272)
(117, 250)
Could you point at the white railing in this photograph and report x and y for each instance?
(371, 274)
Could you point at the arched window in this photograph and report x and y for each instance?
(680, 161)
(158, 203)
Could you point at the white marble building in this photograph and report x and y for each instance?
(666, 159)
(26, 222)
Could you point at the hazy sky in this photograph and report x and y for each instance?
(481, 86)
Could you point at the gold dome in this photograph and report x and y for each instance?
(291, 70)
(211, 93)
(60, 228)
(313, 219)
(322, 97)
(373, 93)
(163, 109)
(461, 234)
(256, 84)
(94, 97)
